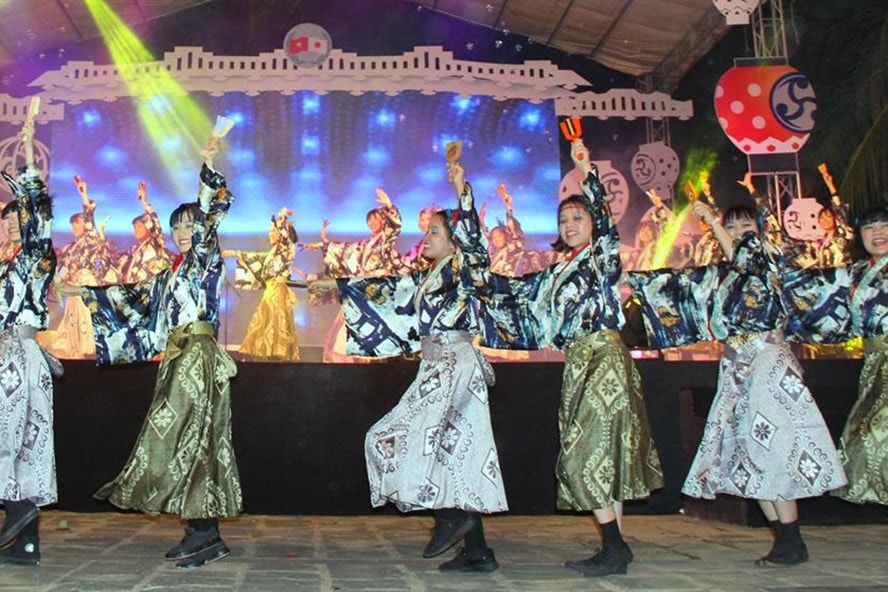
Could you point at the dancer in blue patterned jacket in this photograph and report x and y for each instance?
(765, 438)
(435, 449)
(607, 454)
(833, 305)
(183, 460)
(27, 451)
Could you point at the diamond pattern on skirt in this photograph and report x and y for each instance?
(763, 430)
(809, 467)
(491, 467)
(740, 477)
(450, 438)
(792, 384)
(427, 493)
(10, 379)
(386, 447)
(431, 383)
(163, 418)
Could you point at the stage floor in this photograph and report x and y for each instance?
(124, 552)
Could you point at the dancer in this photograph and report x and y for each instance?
(183, 460)
(831, 305)
(372, 257)
(607, 454)
(435, 449)
(85, 261)
(413, 260)
(765, 438)
(707, 250)
(508, 255)
(271, 333)
(27, 452)
(149, 256)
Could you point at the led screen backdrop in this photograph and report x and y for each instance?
(322, 156)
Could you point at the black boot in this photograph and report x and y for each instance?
(199, 535)
(610, 560)
(26, 548)
(610, 537)
(792, 550)
(204, 545)
(776, 547)
(18, 515)
(475, 556)
(451, 525)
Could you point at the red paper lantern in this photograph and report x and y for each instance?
(765, 109)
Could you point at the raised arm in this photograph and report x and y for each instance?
(705, 212)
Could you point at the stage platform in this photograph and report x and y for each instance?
(299, 431)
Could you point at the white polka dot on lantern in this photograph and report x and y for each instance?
(737, 106)
(754, 90)
(719, 92)
(723, 123)
(758, 122)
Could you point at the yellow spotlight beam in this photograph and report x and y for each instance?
(173, 120)
(666, 241)
(699, 162)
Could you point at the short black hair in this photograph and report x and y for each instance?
(10, 208)
(870, 215)
(188, 208)
(743, 212)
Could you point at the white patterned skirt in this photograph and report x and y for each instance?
(435, 448)
(764, 438)
(27, 449)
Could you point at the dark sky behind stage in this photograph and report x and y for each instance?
(322, 156)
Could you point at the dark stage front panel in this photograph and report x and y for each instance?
(299, 428)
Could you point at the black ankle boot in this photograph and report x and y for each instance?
(18, 515)
(582, 564)
(26, 548)
(610, 560)
(451, 525)
(484, 562)
(788, 550)
(199, 535)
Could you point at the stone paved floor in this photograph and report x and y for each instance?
(117, 552)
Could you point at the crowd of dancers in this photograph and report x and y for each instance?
(764, 439)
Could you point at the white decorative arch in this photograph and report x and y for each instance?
(428, 70)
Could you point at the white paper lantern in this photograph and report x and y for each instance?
(656, 166)
(736, 11)
(614, 182)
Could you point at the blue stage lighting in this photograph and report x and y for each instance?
(110, 156)
(311, 145)
(385, 119)
(463, 104)
(91, 118)
(530, 118)
(508, 157)
(311, 104)
(377, 157)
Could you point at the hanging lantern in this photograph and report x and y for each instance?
(615, 186)
(765, 109)
(736, 11)
(655, 166)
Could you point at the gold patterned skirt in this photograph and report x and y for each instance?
(607, 453)
(864, 444)
(183, 461)
(74, 336)
(272, 331)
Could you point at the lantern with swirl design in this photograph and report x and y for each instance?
(615, 186)
(765, 109)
